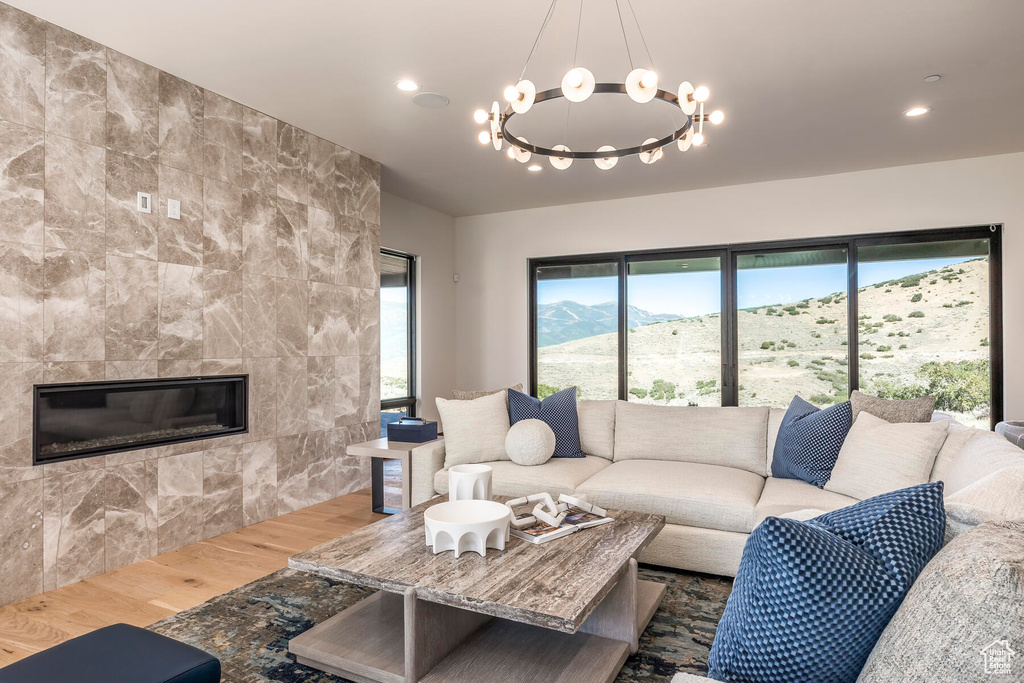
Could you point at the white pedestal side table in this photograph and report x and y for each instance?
(379, 450)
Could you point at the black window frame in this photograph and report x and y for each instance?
(730, 252)
(408, 402)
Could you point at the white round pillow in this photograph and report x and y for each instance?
(530, 442)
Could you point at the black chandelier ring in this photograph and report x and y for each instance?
(613, 88)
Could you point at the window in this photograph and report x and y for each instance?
(674, 340)
(397, 347)
(898, 315)
(792, 328)
(925, 325)
(577, 329)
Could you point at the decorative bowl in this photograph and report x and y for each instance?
(462, 525)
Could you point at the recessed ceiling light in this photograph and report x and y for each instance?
(533, 167)
(431, 100)
(917, 111)
(406, 85)
(932, 78)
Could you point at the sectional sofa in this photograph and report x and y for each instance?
(707, 470)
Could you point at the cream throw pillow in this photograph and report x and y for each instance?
(474, 431)
(878, 456)
(999, 497)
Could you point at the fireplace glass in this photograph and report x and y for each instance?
(93, 418)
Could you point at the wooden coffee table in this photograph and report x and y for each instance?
(568, 610)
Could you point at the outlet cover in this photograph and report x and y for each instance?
(145, 203)
(174, 209)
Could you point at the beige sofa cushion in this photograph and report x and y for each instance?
(474, 431)
(597, 427)
(983, 454)
(775, 416)
(730, 437)
(694, 494)
(558, 475)
(999, 497)
(460, 395)
(783, 496)
(880, 456)
(956, 439)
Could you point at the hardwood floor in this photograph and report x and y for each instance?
(148, 591)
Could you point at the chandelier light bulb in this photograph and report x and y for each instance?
(717, 116)
(701, 94)
(484, 137)
(519, 154)
(526, 93)
(698, 139)
(480, 116)
(606, 163)
(649, 79)
(578, 84)
(561, 163)
(652, 156)
(511, 94)
(636, 89)
(533, 167)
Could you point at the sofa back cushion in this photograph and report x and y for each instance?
(474, 431)
(597, 427)
(775, 417)
(982, 455)
(731, 437)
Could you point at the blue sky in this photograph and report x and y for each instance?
(690, 294)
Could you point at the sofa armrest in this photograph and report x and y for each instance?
(427, 460)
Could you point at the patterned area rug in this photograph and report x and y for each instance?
(249, 628)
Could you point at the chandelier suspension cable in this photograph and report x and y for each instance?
(536, 42)
(575, 55)
(670, 114)
(622, 25)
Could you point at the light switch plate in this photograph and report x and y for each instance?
(174, 209)
(145, 203)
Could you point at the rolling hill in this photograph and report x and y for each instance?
(567, 321)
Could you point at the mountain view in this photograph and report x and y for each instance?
(568, 320)
(925, 333)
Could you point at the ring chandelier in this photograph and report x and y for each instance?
(641, 85)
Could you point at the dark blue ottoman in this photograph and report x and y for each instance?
(116, 654)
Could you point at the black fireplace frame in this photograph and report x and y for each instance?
(41, 390)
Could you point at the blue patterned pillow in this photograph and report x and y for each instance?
(809, 441)
(558, 410)
(811, 598)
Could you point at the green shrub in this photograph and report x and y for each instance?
(825, 300)
(767, 345)
(960, 386)
(883, 349)
(823, 399)
(984, 342)
(867, 356)
(910, 281)
(770, 310)
(902, 346)
(964, 303)
(793, 364)
(790, 345)
(917, 297)
(816, 335)
(818, 361)
(545, 390)
(891, 318)
(894, 391)
(675, 332)
(825, 321)
(916, 314)
(638, 392)
(803, 304)
(663, 390)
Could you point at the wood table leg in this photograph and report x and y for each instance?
(432, 632)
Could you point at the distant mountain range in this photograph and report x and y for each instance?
(568, 320)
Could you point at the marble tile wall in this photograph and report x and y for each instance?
(273, 270)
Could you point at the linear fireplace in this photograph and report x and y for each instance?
(92, 418)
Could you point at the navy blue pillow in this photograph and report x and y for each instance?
(558, 410)
(809, 441)
(811, 598)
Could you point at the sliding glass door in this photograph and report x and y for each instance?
(674, 338)
(792, 326)
(925, 324)
(577, 329)
(898, 315)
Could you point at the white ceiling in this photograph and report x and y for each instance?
(808, 87)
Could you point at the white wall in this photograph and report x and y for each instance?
(430, 235)
(492, 250)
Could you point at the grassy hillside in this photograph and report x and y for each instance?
(925, 333)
